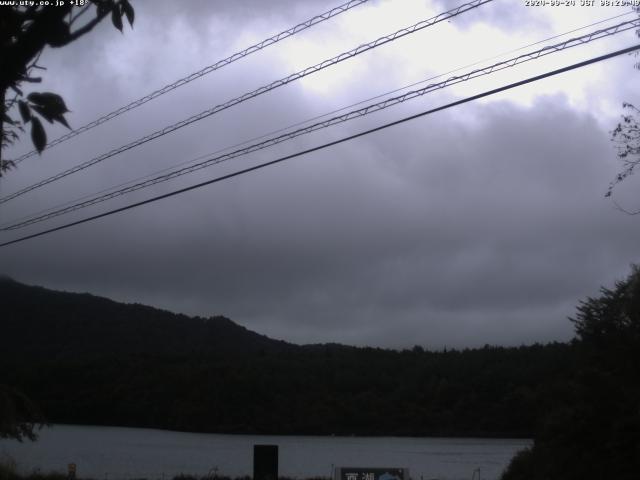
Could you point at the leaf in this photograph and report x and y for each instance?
(52, 102)
(50, 105)
(42, 111)
(103, 7)
(62, 120)
(128, 11)
(35, 97)
(38, 135)
(51, 117)
(6, 118)
(25, 113)
(116, 19)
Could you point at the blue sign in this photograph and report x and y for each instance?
(352, 473)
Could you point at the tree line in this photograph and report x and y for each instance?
(89, 360)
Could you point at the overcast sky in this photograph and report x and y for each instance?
(483, 223)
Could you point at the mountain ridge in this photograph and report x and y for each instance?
(89, 360)
(53, 323)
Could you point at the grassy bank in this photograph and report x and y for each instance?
(8, 471)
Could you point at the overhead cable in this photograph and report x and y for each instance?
(329, 144)
(584, 39)
(264, 89)
(206, 70)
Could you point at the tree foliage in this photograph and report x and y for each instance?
(89, 360)
(24, 32)
(626, 137)
(20, 418)
(591, 431)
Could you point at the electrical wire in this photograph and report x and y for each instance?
(317, 117)
(206, 70)
(264, 89)
(330, 144)
(584, 39)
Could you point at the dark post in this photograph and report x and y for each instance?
(265, 462)
(71, 471)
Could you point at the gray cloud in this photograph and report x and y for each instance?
(510, 16)
(438, 232)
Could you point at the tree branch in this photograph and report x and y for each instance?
(86, 29)
(624, 210)
(3, 111)
(79, 14)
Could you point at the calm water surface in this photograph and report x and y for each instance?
(119, 453)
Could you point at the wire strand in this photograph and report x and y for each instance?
(206, 70)
(264, 89)
(329, 144)
(584, 39)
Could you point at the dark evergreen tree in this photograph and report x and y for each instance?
(20, 418)
(592, 428)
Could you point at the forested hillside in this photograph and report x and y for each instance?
(51, 325)
(591, 429)
(89, 360)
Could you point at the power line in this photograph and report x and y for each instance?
(317, 117)
(264, 89)
(299, 123)
(440, 75)
(333, 121)
(598, 34)
(330, 144)
(303, 122)
(276, 38)
(206, 70)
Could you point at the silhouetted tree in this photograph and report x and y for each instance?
(89, 360)
(591, 430)
(611, 322)
(626, 136)
(19, 416)
(24, 32)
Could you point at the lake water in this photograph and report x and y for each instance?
(112, 453)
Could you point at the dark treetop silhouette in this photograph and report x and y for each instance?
(24, 32)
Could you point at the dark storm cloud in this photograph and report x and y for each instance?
(481, 224)
(434, 233)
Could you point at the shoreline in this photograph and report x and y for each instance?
(488, 436)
